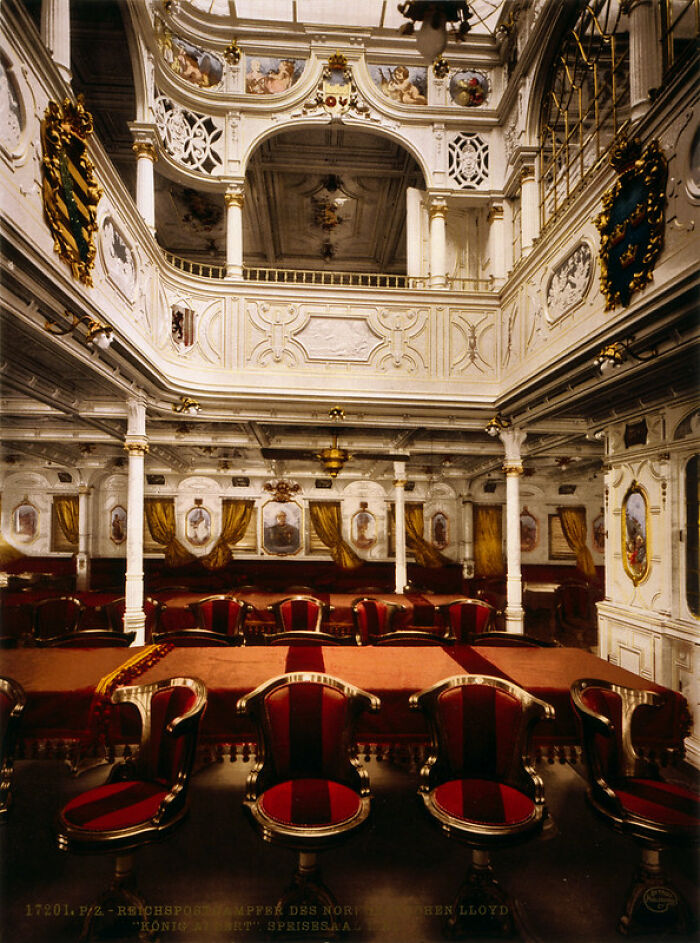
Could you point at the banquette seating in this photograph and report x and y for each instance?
(306, 792)
(628, 793)
(144, 798)
(479, 786)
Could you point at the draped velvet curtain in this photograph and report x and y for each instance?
(8, 553)
(573, 525)
(235, 518)
(67, 516)
(424, 552)
(488, 541)
(327, 522)
(160, 517)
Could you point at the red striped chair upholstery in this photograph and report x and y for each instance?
(56, 616)
(627, 791)
(307, 791)
(144, 799)
(373, 618)
(465, 617)
(114, 611)
(478, 785)
(12, 702)
(298, 613)
(222, 614)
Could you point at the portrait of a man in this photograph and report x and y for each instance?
(281, 528)
(198, 526)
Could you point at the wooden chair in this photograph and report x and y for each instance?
(465, 617)
(143, 800)
(56, 616)
(223, 614)
(307, 791)
(12, 704)
(374, 618)
(479, 786)
(299, 613)
(114, 612)
(629, 794)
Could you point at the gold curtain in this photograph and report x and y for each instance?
(327, 522)
(235, 518)
(160, 517)
(424, 552)
(67, 517)
(488, 540)
(573, 524)
(8, 553)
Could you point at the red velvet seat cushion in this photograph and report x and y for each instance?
(310, 802)
(115, 805)
(483, 801)
(660, 802)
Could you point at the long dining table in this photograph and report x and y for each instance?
(67, 690)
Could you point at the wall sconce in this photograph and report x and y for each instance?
(333, 458)
(98, 335)
(616, 353)
(497, 424)
(187, 405)
(432, 36)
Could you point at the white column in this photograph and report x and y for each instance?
(145, 186)
(234, 232)
(400, 525)
(414, 227)
(529, 207)
(468, 531)
(512, 441)
(645, 55)
(55, 33)
(497, 240)
(438, 246)
(82, 574)
(136, 444)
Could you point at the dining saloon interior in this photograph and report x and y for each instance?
(349, 470)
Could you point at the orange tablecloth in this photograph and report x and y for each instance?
(60, 685)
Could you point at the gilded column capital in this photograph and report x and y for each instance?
(437, 209)
(145, 149)
(136, 446)
(495, 212)
(234, 198)
(513, 468)
(527, 173)
(399, 482)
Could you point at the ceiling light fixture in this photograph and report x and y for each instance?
(616, 353)
(434, 17)
(497, 424)
(187, 405)
(98, 335)
(334, 458)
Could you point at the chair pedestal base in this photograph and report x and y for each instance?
(120, 912)
(481, 908)
(307, 902)
(653, 903)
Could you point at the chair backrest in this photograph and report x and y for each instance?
(575, 600)
(373, 618)
(510, 640)
(170, 712)
(480, 729)
(605, 712)
(298, 613)
(115, 614)
(89, 638)
(305, 727)
(12, 703)
(223, 614)
(174, 619)
(467, 617)
(56, 616)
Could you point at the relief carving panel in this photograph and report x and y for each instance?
(472, 345)
(344, 339)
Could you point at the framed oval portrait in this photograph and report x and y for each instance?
(529, 531)
(363, 528)
(25, 522)
(635, 533)
(117, 524)
(198, 525)
(282, 528)
(440, 530)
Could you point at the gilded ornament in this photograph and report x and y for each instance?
(70, 189)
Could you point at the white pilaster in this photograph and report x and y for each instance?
(497, 242)
(645, 55)
(400, 525)
(145, 185)
(529, 207)
(512, 440)
(438, 244)
(136, 444)
(468, 531)
(55, 33)
(414, 242)
(82, 563)
(234, 232)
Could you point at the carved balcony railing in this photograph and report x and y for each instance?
(285, 276)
